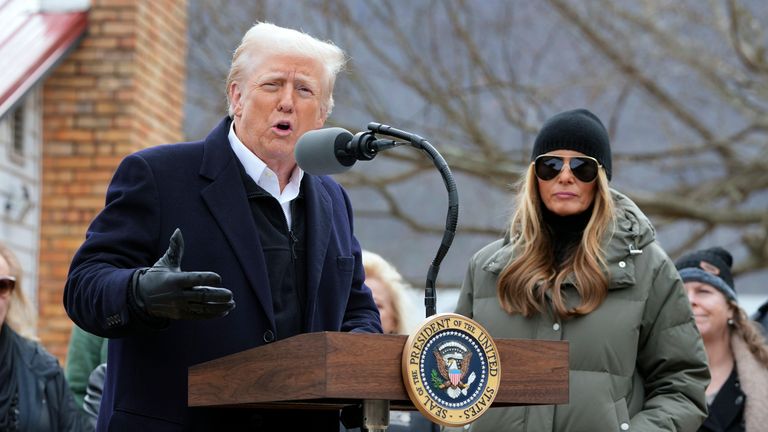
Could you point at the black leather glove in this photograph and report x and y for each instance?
(164, 291)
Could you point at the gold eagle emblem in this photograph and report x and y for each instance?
(460, 364)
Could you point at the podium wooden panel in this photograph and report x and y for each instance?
(332, 370)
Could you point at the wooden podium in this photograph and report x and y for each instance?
(331, 370)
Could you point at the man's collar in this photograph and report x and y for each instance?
(255, 167)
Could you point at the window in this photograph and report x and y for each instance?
(17, 132)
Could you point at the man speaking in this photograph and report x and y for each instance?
(209, 248)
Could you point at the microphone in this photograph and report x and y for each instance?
(334, 150)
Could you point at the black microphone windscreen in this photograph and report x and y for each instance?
(316, 150)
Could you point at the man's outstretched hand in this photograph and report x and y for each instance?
(164, 291)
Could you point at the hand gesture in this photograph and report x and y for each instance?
(165, 291)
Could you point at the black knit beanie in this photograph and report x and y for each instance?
(716, 257)
(577, 130)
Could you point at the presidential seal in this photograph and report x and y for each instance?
(451, 369)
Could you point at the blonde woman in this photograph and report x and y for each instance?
(737, 396)
(388, 291)
(581, 264)
(33, 393)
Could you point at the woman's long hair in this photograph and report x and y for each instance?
(524, 282)
(21, 315)
(750, 333)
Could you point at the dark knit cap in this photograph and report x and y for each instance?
(716, 260)
(577, 130)
(695, 274)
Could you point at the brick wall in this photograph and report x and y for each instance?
(121, 90)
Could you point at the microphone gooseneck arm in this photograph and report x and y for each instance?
(452, 218)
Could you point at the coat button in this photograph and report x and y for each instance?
(269, 336)
(622, 264)
(555, 326)
(624, 426)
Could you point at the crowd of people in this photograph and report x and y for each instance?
(213, 247)
(34, 395)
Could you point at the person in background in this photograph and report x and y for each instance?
(737, 396)
(34, 395)
(389, 293)
(388, 289)
(580, 263)
(257, 231)
(719, 261)
(84, 353)
(93, 394)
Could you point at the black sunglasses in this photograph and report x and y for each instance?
(583, 168)
(7, 283)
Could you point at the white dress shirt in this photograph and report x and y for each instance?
(265, 177)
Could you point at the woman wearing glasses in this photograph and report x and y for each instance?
(580, 264)
(33, 393)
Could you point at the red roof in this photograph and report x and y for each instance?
(31, 44)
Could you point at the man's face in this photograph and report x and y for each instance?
(279, 99)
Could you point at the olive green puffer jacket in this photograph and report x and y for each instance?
(637, 362)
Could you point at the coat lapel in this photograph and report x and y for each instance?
(319, 214)
(227, 201)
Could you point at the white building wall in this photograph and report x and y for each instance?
(20, 180)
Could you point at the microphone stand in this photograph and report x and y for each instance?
(365, 146)
(452, 218)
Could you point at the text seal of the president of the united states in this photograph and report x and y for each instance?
(451, 369)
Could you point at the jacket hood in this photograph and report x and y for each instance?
(633, 230)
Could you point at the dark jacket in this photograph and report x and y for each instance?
(741, 403)
(45, 401)
(197, 187)
(726, 412)
(637, 362)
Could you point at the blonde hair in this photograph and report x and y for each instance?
(749, 332)
(377, 267)
(21, 315)
(525, 280)
(268, 39)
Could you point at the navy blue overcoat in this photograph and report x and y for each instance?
(197, 187)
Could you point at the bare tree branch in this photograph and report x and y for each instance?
(684, 85)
